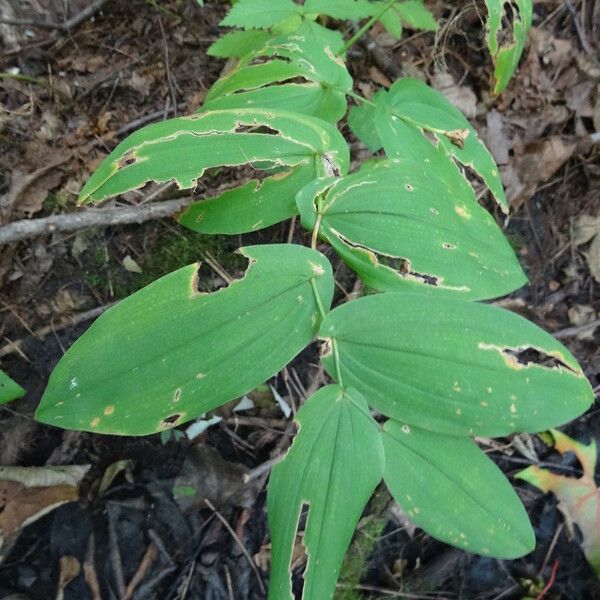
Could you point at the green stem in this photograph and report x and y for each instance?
(360, 98)
(366, 27)
(313, 283)
(19, 77)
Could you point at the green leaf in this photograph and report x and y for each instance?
(400, 227)
(236, 44)
(260, 14)
(415, 103)
(268, 78)
(361, 120)
(452, 366)
(333, 466)
(352, 10)
(9, 390)
(416, 15)
(453, 491)
(181, 149)
(169, 353)
(506, 54)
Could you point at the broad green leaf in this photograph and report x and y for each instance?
(452, 366)
(518, 14)
(238, 43)
(333, 466)
(268, 78)
(169, 353)
(251, 207)
(181, 149)
(260, 14)
(9, 390)
(400, 227)
(352, 10)
(453, 491)
(423, 107)
(361, 120)
(579, 498)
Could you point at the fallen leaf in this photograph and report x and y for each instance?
(130, 265)
(579, 499)
(593, 258)
(29, 493)
(461, 96)
(585, 228)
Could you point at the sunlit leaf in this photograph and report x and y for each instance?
(238, 43)
(169, 353)
(333, 466)
(260, 14)
(182, 149)
(415, 103)
(453, 491)
(9, 390)
(579, 497)
(452, 366)
(400, 227)
(339, 9)
(508, 24)
(413, 13)
(290, 72)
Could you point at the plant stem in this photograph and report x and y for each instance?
(360, 98)
(315, 233)
(313, 284)
(19, 77)
(366, 27)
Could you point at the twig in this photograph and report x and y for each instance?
(550, 581)
(264, 468)
(145, 564)
(570, 332)
(73, 321)
(234, 535)
(30, 228)
(65, 27)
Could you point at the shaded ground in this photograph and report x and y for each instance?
(173, 519)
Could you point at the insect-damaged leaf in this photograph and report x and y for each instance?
(333, 466)
(452, 366)
(291, 72)
(181, 149)
(517, 14)
(399, 227)
(413, 102)
(579, 498)
(9, 390)
(169, 353)
(260, 14)
(453, 491)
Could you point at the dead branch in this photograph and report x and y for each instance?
(30, 228)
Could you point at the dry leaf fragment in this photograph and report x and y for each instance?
(593, 258)
(28, 493)
(585, 228)
(579, 499)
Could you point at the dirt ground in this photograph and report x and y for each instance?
(168, 517)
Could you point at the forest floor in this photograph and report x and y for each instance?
(170, 517)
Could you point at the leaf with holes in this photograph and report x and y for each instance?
(182, 149)
(9, 390)
(508, 24)
(303, 77)
(169, 353)
(579, 498)
(451, 366)
(485, 515)
(400, 227)
(333, 466)
(412, 102)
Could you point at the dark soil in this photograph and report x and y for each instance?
(134, 62)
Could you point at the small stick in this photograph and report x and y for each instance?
(238, 542)
(30, 228)
(65, 27)
(145, 564)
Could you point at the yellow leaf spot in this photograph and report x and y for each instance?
(462, 212)
(109, 410)
(95, 422)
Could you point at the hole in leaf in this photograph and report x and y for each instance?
(528, 356)
(171, 420)
(264, 129)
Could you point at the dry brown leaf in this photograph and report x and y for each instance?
(28, 493)
(538, 163)
(585, 228)
(69, 570)
(593, 258)
(461, 96)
